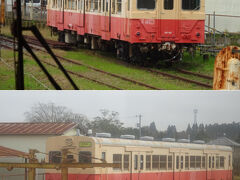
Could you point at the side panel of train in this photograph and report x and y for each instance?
(140, 162)
(133, 21)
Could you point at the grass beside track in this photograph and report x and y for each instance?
(106, 62)
(236, 178)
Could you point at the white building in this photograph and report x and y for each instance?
(25, 136)
(223, 7)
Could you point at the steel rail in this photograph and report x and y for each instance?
(77, 74)
(195, 74)
(104, 72)
(85, 77)
(178, 77)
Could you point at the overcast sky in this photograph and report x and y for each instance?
(163, 107)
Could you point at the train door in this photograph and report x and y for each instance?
(229, 165)
(126, 20)
(60, 15)
(210, 166)
(81, 9)
(167, 19)
(137, 165)
(106, 18)
(178, 166)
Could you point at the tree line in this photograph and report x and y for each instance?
(108, 121)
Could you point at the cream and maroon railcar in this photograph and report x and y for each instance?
(134, 27)
(141, 160)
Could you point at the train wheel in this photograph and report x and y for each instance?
(122, 51)
(61, 36)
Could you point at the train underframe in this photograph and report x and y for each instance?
(145, 54)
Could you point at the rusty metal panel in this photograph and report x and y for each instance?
(35, 128)
(227, 69)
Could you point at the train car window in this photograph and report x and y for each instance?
(203, 162)
(91, 5)
(119, 6)
(163, 162)
(209, 162)
(65, 4)
(169, 162)
(85, 157)
(217, 162)
(59, 3)
(186, 162)
(70, 157)
(190, 4)
(107, 2)
(52, 4)
(95, 5)
(148, 162)
(54, 157)
(87, 5)
(79, 4)
(143, 4)
(126, 162)
(155, 161)
(192, 162)
(82, 6)
(229, 160)
(168, 4)
(198, 161)
(177, 163)
(128, 5)
(213, 162)
(136, 162)
(103, 155)
(74, 4)
(181, 162)
(141, 162)
(69, 4)
(99, 5)
(103, 6)
(117, 158)
(221, 161)
(113, 6)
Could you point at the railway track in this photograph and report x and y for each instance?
(90, 67)
(179, 77)
(35, 43)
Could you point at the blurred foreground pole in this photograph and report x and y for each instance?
(19, 76)
(2, 18)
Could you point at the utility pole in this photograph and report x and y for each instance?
(195, 111)
(139, 124)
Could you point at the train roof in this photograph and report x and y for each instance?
(160, 144)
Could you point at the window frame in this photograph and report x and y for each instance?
(191, 9)
(144, 9)
(119, 161)
(85, 161)
(168, 9)
(163, 163)
(59, 159)
(124, 162)
(170, 161)
(148, 162)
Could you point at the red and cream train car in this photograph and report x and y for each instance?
(141, 160)
(136, 28)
